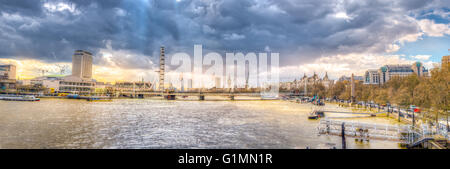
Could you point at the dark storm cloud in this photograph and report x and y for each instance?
(24, 7)
(303, 30)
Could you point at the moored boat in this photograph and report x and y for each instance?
(316, 114)
(313, 117)
(73, 96)
(19, 98)
(99, 99)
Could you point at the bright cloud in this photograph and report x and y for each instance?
(122, 58)
(421, 57)
(60, 7)
(343, 15)
(431, 28)
(233, 36)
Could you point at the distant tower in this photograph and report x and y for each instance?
(306, 88)
(353, 88)
(246, 79)
(189, 84)
(161, 69)
(182, 83)
(82, 64)
(218, 82)
(229, 83)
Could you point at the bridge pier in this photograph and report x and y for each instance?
(141, 96)
(201, 97)
(170, 97)
(344, 144)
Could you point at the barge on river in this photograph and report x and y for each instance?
(18, 98)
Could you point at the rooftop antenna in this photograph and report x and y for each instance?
(42, 71)
(182, 82)
(246, 79)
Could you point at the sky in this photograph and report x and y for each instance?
(335, 36)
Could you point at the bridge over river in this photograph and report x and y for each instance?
(200, 95)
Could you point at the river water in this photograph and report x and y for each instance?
(153, 123)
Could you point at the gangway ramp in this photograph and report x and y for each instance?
(361, 129)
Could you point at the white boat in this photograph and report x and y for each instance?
(19, 98)
(269, 97)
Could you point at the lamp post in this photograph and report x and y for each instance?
(448, 128)
(344, 144)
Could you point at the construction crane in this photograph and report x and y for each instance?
(62, 68)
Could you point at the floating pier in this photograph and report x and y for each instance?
(411, 137)
(362, 130)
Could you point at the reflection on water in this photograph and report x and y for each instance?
(127, 123)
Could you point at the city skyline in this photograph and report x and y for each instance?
(65, 69)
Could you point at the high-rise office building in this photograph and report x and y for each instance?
(82, 64)
(218, 82)
(7, 77)
(445, 59)
(8, 72)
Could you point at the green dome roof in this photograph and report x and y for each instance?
(418, 64)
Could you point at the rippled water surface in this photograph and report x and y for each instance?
(151, 123)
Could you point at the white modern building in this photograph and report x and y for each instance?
(218, 82)
(62, 84)
(387, 72)
(51, 82)
(7, 77)
(72, 84)
(80, 82)
(7, 72)
(372, 77)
